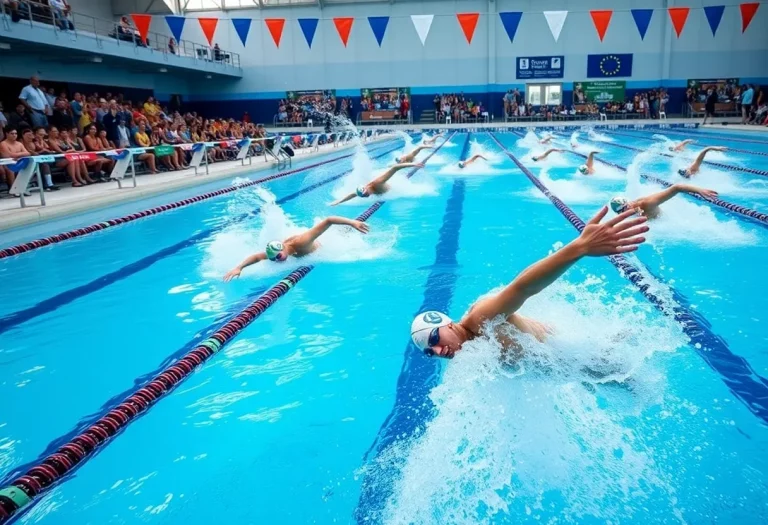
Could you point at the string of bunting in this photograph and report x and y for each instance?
(467, 22)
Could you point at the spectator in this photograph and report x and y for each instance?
(61, 117)
(20, 118)
(93, 143)
(746, 102)
(709, 106)
(151, 111)
(3, 120)
(11, 148)
(172, 46)
(77, 107)
(61, 11)
(76, 170)
(50, 98)
(126, 114)
(12, 6)
(36, 143)
(246, 118)
(110, 122)
(216, 52)
(35, 101)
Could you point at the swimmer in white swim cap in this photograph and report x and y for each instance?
(436, 334)
(546, 139)
(297, 245)
(430, 141)
(410, 157)
(650, 204)
(464, 163)
(588, 167)
(538, 158)
(693, 169)
(378, 186)
(680, 146)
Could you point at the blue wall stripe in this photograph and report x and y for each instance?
(419, 374)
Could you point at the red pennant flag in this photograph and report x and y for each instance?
(678, 15)
(275, 26)
(343, 27)
(208, 25)
(142, 25)
(601, 19)
(747, 13)
(468, 22)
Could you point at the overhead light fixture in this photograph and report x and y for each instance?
(3, 45)
(97, 60)
(163, 70)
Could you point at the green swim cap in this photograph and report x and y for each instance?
(273, 248)
(583, 169)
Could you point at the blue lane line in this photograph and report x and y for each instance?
(465, 148)
(57, 301)
(738, 375)
(419, 374)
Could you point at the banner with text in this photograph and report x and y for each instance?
(315, 95)
(385, 103)
(724, 87)
(535, 68)
(599, 91)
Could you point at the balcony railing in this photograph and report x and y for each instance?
(122, 32)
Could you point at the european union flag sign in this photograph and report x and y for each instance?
(602, 66)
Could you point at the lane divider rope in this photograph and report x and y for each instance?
(670, 132)
(741, 211)
(79, 232)
(735, 371)
(26, 488)
(706, 134)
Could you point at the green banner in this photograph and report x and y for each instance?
(164, 150)
(599, 91)
(727, 89)
(383, 99)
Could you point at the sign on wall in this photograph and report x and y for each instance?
(315, 94)
(724, 87)
(540, 67)
(384, 98)
(614, 65)
(599, 91)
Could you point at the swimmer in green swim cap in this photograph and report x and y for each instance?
(435, 333)
(464, 163)
(297, 245)
(588, 167)
(546, 154)
(378, 185)
(649, 205)
(693, 169)
(410, 157)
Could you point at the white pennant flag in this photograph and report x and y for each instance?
(555, 21)
(422, 24)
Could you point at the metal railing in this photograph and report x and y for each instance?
(84, 25)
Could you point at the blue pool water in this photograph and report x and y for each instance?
(321, 411)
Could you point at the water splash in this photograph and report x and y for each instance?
(576, 190)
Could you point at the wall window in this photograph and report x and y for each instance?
(547, 94)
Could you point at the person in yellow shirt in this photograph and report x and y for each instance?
(85, 118)
(150, 110)
(141, 137)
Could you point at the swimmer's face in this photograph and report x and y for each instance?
(444, 342)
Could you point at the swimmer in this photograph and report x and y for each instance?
(588, 168)
(537, 158)
(680, 146)
(546, 139)
(464, 163)
(649, 205)
(435, 333)
(378, 185)
(430, 141)
(693, 169)
(410, 157)
(296, 245)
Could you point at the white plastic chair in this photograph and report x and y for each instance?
(448, 119)
(603, 116)
(663, 114)
(310, 123)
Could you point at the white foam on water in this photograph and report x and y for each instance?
(492, 154)
(572, 191)
(538, 438)
(594, 135)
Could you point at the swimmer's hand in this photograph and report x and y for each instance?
(707, 194)
(232, 274)
(358, 225)
(621, 234)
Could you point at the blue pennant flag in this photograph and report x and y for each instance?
(714, 15)
(378, 26)
(242, 27)
(176, 25)
(308, 27)
(510, 21)
(642, 20)
(604, 66)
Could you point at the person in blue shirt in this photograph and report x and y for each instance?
(746, 103)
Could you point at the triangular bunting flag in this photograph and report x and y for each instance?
(343, 27)
(468, 23)
(601, 19)
(378, 26)
(747, 13)
(275, 26)
(242, 27)
(308, 27)
(176, 25)
(678, 15)
(142, 25)
(510, 21)
(642, 20)
(555, 21)
(714, 15)
(208, 25)
(422, 24)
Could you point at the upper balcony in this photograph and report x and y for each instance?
(36, 25)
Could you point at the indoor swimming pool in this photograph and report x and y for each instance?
(648, 403)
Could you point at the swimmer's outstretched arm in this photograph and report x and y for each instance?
(546, 153)
(309, 236)
(703, 153)
(474, 158)
(621, 234)
(251, 259)
(657, 199)
(591, 158)
(384, 177)
(344, 199)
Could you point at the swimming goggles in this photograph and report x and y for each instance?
(434, 338)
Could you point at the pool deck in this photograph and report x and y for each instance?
(72, 201)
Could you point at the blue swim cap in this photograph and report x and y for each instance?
(361, 191)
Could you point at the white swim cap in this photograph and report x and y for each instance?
(618, 204)
(361, 192)
(583, 169)
(273, 248)
(423, 324)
